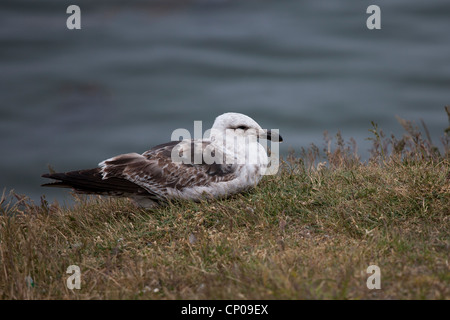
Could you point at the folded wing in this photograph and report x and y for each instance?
(151, 174)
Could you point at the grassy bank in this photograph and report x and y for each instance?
(309, 232)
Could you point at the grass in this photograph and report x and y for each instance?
(309, 232)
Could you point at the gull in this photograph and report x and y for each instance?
(230, 161)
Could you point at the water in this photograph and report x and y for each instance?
(139, 69)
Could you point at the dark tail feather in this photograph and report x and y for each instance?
(90, 181)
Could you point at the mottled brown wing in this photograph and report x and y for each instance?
(155, 170)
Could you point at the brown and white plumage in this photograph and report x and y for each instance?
(154, 177)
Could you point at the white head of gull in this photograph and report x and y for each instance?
(232, 160)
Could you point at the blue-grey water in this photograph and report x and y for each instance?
(139, 69)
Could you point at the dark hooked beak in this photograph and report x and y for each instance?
(271, 135)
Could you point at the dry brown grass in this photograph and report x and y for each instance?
(309, 232)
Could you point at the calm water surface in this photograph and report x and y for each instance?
(139, 69)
